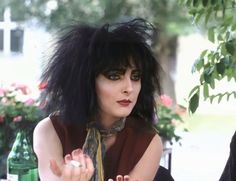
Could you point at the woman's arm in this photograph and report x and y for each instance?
(47, 147)
(148, 165)
(51, 164)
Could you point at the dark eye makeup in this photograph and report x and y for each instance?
(117, 73)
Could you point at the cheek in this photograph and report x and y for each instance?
(104, 93)
(137, 89)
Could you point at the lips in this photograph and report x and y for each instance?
(124, 102)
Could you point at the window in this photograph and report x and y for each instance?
(1, 14)
(17, 36)
(11, 35)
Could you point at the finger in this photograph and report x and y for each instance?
(85, 172)
(126, 178)
(67, 168)
(76, 154)
(67, 159)
(89, 166)
(56, 170)
(119, 178)
(67, 172)
(110, 179)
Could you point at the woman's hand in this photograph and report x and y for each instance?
(122, 178)
(81, 171)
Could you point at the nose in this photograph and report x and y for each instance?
(127, 86)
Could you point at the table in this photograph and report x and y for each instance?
(167, 157)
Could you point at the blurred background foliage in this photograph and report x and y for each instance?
(173, 18)
(218, 18)
(170, 18)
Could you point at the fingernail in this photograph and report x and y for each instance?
(77, 151)
(126, 178)
(68, 157)
(119, 178)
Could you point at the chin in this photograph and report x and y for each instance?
(124, 114)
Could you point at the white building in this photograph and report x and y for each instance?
(22, 50)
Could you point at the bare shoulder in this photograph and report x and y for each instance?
(156, 141)
(155, 148)
(45, 136)
(43, 125)
(43, 129)
(147, 166)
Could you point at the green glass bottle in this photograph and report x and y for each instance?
(21, 161)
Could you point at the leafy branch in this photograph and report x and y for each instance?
(219, 19)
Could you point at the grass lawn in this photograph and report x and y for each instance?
(211, 122)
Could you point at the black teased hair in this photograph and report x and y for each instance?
(85, 51)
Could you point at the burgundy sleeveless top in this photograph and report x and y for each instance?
(120, 158)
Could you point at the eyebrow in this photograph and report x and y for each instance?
(121, 70)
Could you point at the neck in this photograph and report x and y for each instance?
(107, 123)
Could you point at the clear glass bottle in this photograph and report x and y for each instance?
(22, 161)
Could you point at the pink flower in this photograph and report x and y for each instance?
(166, 100)
(2, 118)
(29, 102)
(17, 119)
(23, 88)
(2, 91)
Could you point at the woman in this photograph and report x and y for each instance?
(100, 90)
(229, 172)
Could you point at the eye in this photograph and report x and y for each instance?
(113, 75)
(136, 75)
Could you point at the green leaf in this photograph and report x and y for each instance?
(223, 49)
(230, 47)
(233, 27)
(204, 3)
(220, 98)
(227, 61)
(189, 2)
(195, 3)
(220, 67)
(203, 53)
(207, 74)
(198, 16)
(227, 35)
(220, 38)
(194, 102)
(212, 83)
(213, 2)
(211, 34)
(196, 88)
(205, 91)
(208, 15)
(198, 64)
(211, 99)
(228, 21)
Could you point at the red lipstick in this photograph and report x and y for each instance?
(124, 102)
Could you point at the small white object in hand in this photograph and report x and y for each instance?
(75, 163)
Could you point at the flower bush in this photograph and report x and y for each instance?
(18, 110)
(169, 119)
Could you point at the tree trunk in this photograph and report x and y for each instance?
(167, 55)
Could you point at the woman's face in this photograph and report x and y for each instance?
(117, 92)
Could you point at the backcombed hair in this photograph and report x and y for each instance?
(85, 51)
